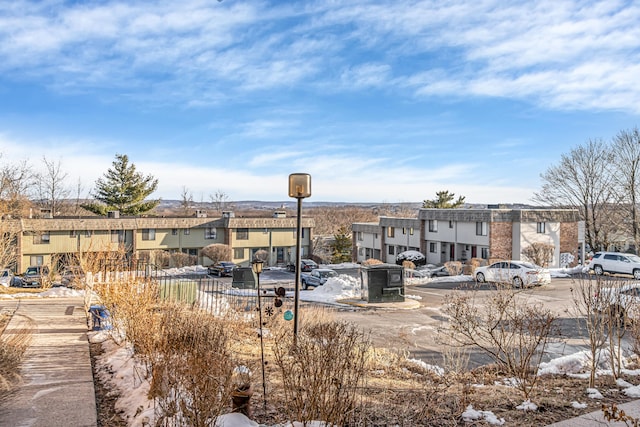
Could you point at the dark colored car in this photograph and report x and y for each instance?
(305, 265)
(35, 277)
(73, 277)
(317, 277)
(222, 268)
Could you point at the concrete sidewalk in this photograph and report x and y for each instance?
(57, 387)
(596, 418)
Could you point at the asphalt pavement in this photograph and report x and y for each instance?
(57, 379)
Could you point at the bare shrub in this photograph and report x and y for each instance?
(261, 255)
(192, 367)
(618, 310)
(179, 259)
(587, 305)
(539, 253)
(372, 261)
(512, 331)
(321, 370)
(408, 265)
(12, 349)
(217, 252)
(453, 267)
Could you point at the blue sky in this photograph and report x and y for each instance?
(379, 101)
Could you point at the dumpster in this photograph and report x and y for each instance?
(100, 317)
(244, 278)
(382, 283)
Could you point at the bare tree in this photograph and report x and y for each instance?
(584, 179)
(328, 219)
(186, 200)
(626, 148)
(217, 252)
(219, 200)
(51, 188)
(16, 182)
(539, 253)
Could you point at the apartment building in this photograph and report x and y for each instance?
(52, 241)
(461, 234)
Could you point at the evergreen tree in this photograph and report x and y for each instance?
(341, 248)
(123, 189)
(444, 200)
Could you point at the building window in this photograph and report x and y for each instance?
(186, 231)
(360, 251)
(117, 236)
(391, 250)
(433, 225)
(360, 236)
(484, 253)
(375, 235)
(481, 229)
(433, 247)
(174, 231)
(41, 238)
(36, 260)
(238, 253)
(210, 233)
(87, 233)
(450, 224)
(148, 234)
(242, 234)
(540, 227)
(411, 231)
(73, 233)
(404, 230)
(391, 232)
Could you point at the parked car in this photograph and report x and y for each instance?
(517, 273)
(616, 263)
(6, 277)
(221, 268)
(73, 277)
(622, 300)
(305, 265)
(414, 256)
(316, 277)
(35, 277)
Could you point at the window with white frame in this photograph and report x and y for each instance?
(360, 236)
(42, 238)
(540, 227)
(186, 231)
(238, 253)
(484, 253)
(481, 228)
(174, 231)
(433, 247)
(392, 250)
(433, 225)
(36, 260)
(210, 233)
(117, 236)
(391, 231)
(148, 234)
(242, 233)
(411, 231)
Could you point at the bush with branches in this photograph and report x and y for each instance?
(539, 253)
(217, 252)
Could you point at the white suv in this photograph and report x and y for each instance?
(615, 262)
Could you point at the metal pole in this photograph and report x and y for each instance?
(297, 283)
(264, 382)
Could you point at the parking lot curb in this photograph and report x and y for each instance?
(407, 304)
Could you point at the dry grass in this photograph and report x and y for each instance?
(13, 344)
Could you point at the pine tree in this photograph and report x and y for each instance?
(341, 246)
(444, 200)
(123, 189)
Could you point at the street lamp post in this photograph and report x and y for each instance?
(299, 188)
(257, 268)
